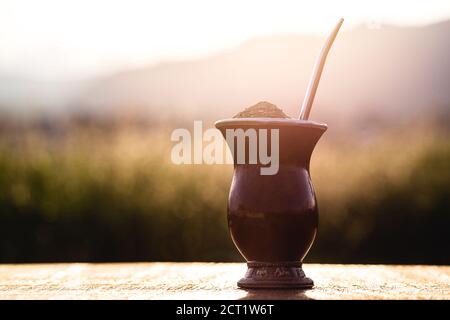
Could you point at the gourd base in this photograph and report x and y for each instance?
(275, 275)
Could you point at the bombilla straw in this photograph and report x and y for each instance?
(315, 78)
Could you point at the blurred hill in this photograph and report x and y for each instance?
(25, 96)
(379, 75)
(389, 73)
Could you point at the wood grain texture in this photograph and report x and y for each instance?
(215, 281)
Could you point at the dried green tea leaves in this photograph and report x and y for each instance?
(262, 109)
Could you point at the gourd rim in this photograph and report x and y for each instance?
(277, 122)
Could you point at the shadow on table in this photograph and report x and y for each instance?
(275, 294)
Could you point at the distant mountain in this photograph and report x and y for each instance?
(21, 95)
(389, 73)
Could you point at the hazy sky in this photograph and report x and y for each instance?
(71, 39)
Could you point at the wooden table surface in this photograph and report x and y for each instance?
(215, 281)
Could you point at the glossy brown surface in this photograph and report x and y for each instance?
(274, 218)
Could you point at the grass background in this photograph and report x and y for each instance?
(108, 192)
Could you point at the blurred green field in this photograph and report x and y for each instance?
(91, 194)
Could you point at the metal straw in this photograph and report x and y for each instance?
(315, 78)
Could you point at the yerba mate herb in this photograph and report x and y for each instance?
(262, 109)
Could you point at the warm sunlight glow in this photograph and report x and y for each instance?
(78, 38)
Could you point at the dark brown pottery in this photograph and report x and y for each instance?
(273, 218)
